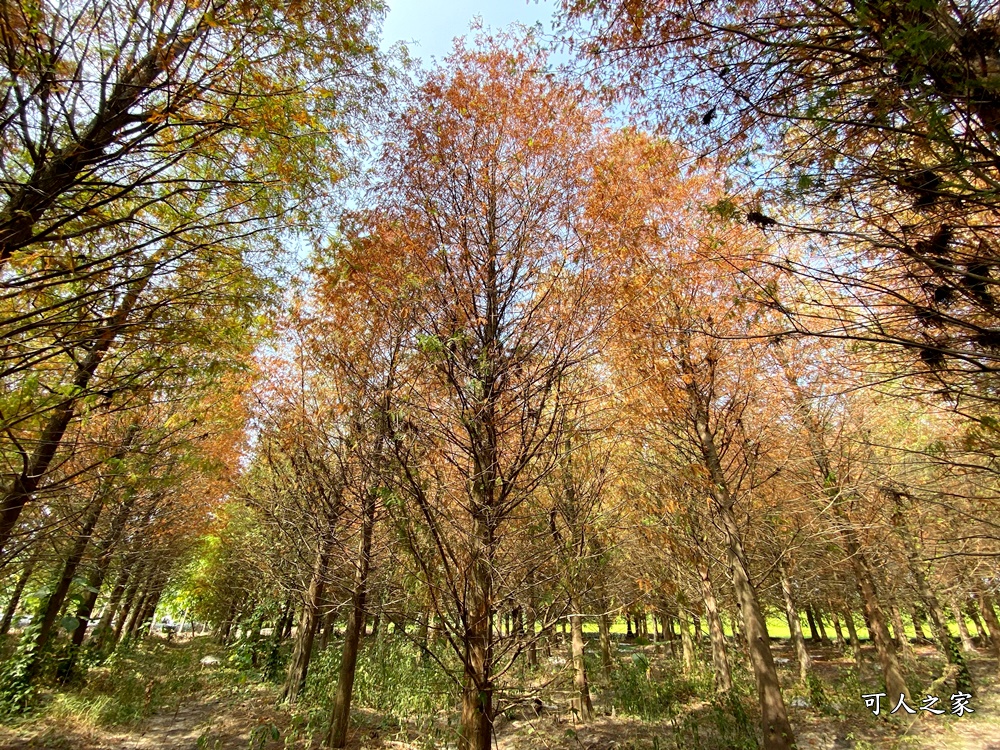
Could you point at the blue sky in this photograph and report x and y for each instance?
(429, 26)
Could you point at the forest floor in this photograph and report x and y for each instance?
(178, 702)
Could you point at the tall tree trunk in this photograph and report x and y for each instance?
(720, 660)
(918, 625)
(837, 632)
(148, 618)
(813, 628)
(895, 684)
(134, 607)
(900, 632)
(836, 494)
(15, 595)
(990, 614)
(852, 635)
(97, 574)
(795, 626)
(49, 611)
(775, 727)
(326, 629)
(477, 693)
(972, 609)
(340, 718)
(963, 628)
(687, 644)
(824, 637)
(932, 605)
(103, 628)
(581, 701)
(298, 667)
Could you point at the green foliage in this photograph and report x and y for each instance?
(133, 683)
(16, 684)
(817, 696)
(389, 679)
(637, 692)
(729, 720)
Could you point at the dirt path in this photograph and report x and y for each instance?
(976, 731)
(180, 729)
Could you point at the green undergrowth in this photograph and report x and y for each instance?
(395, 683)
(134, 682)
(698, 718)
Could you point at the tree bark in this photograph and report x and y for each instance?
(895, 684)
(900, 632)
(687, 645)
(96, 579)
(341, 714)
(838, 634)
(477, 693)
(581, 701)
(989, 613)
(103, 627)
(963, 628)
(835, 493)
(795, 626)
(15, 596)
(918, 625)
(813, 629)
(298, 667)
(720, 660)
(775, 727)
(972, 608)
(49, 611)
(852, 634)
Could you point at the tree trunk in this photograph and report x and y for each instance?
(972, 609)
(852, 634)
(814, 634)
(103, 627)
(901, 639)
(775, 727)
(581, 701)
(836, 494)
(963, 628)
(326, 629)
(838, 635)
(687, 645)
(49, 611)
(989, 613)
(341, 715)
(226, 626)
(148, 619)
(94, 583)
(824, 637)
(15, 596)
(928, 597)
(918, 625)
(532, 642)
(477, 693)
(298, 667)
(894, 682)
(795, 627)
(720, 660)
